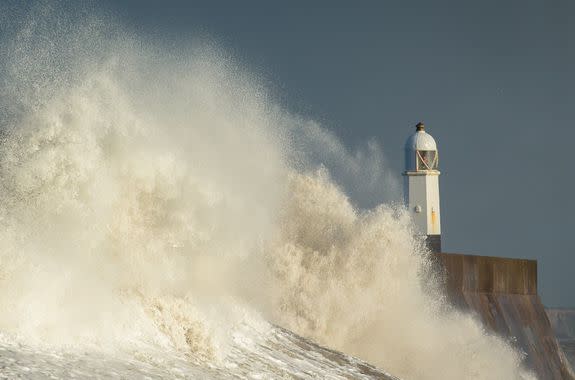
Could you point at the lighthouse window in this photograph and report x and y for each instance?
(427, 160)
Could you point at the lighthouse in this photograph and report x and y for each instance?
(421, 186)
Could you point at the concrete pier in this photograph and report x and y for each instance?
(503, 293)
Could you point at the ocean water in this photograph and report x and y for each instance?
(161, 213)
(272, 354)
(563, 324)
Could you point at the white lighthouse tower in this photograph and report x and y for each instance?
(421, 185)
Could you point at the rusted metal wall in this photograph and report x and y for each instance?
(471, 273)
(503, 292)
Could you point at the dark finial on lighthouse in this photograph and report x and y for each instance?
(420, 126)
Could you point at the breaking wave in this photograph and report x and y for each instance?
(159, 198)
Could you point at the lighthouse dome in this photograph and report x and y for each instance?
(420, 140)
(421, 151)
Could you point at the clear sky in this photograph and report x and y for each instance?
(492, 80)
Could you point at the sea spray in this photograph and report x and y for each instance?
(358, 281)
(157, 198)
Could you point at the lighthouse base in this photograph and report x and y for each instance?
(433, 243)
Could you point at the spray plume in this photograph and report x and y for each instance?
(159, 197)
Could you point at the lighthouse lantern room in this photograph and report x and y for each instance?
(421, 185)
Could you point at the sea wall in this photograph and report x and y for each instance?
(503, 293)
